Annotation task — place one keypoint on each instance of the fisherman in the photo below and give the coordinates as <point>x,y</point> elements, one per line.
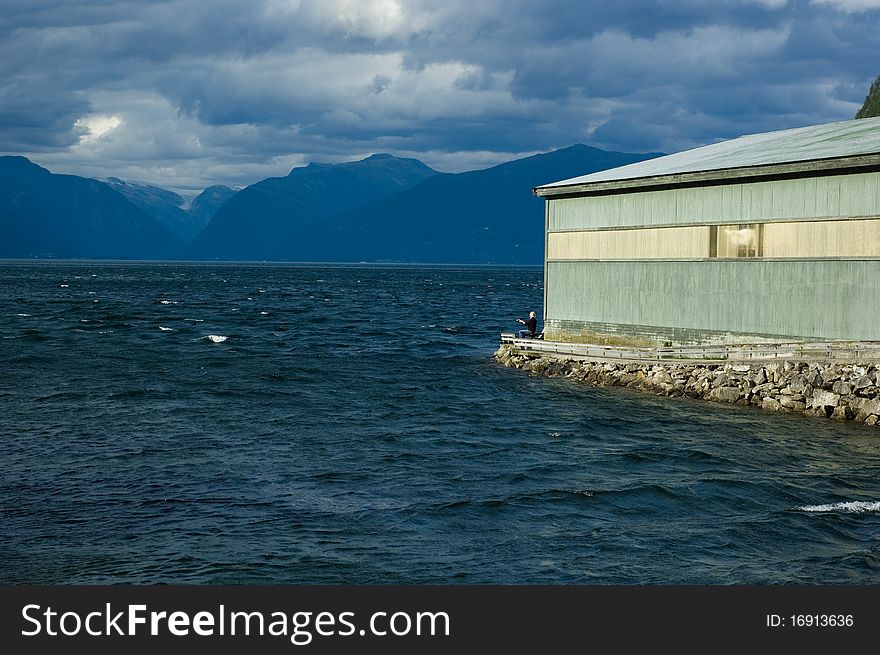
<point>531,326</point>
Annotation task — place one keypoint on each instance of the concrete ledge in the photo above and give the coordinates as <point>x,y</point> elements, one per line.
<point>844,351</point>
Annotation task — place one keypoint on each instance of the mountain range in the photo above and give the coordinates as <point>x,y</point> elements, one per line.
<point>170,209</point>
<point>382,208</point>
<point>486,216</point>
<point>250,225</point>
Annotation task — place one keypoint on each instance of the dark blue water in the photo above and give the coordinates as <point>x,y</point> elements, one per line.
<point>347,424</point>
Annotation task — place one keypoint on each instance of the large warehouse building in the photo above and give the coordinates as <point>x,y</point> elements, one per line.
<point>765,237</point>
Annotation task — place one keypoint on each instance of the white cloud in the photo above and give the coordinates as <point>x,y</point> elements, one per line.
<point>96,126</point>
<point>373,19</point>
<point>222,91</point>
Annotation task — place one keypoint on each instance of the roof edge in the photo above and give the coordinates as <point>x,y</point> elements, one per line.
<point>698,178</point>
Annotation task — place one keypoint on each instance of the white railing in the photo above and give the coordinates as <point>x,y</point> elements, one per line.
<point>855,351</point>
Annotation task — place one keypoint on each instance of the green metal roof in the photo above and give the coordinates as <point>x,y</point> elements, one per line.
<point>753,154</point>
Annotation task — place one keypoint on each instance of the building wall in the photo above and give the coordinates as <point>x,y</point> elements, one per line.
<point>642,302</point>
<point>834,196</point>
<point>636,267</point>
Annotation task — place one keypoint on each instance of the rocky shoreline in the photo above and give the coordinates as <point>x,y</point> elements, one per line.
<point>846,392</point>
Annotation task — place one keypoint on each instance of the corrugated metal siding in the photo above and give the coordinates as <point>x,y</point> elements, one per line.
<point>807,198</point>
<point>831,299</point>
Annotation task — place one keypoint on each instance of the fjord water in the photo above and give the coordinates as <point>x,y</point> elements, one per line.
<point>346,424</point>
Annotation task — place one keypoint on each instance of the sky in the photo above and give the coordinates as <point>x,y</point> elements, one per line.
<point>188,93</point>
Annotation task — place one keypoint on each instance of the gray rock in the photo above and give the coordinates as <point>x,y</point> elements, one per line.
<point>824,399</point>
<point>842,388</point>
<point>863,382</point>
<point>719,381</point>
<point>871,420</point>
<point>830,375</point>
<point>770,403</point>
<point>725,394</point>
<point>867,405</point>
<point>797,383</point>
<point>793,405</point>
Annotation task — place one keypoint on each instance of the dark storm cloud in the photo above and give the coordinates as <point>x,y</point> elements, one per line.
<point>226,91</point>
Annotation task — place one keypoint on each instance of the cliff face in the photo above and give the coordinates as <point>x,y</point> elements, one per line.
<point>843,392</point>
<point>871,107</point>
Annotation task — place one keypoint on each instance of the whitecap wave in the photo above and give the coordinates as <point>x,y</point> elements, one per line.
<point>166,329</point>
<point>168,302</point>
<point>22,315</point>
<point>850,507</point>
<point>216,338</point>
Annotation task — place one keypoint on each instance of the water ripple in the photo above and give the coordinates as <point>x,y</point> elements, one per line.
<point>347,425</point>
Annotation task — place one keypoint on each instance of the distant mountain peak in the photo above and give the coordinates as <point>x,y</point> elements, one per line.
<point>20,162</point>
<point>312,167</point>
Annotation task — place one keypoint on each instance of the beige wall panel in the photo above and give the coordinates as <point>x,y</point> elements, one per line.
<point>663,243</point>
<point>823,239</point>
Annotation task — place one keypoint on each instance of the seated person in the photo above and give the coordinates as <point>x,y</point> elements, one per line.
<point>531,326</point>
